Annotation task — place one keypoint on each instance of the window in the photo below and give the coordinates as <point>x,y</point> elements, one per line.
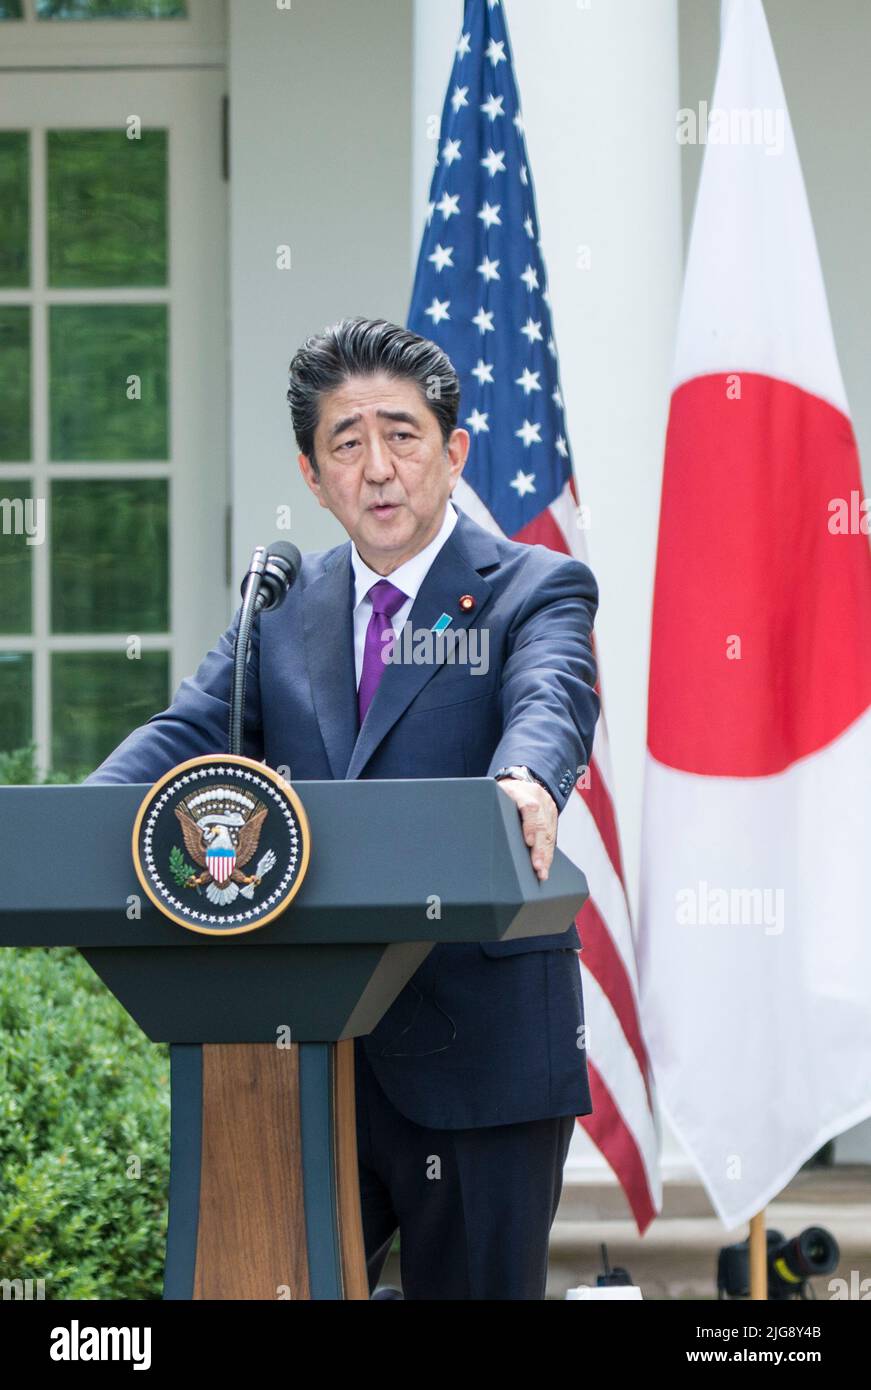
<point>112,469</point>
<point>111,32</point>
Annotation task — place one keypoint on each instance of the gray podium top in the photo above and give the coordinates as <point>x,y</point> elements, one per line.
<point>381,853</point>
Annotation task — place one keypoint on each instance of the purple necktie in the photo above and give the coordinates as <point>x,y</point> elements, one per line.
<point>386,600</point>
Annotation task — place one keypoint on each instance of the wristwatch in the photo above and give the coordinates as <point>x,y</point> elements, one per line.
<point>522,774</point>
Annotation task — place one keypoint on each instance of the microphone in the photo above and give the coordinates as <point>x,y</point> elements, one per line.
<point>277,570</point>
<point>270,576</point>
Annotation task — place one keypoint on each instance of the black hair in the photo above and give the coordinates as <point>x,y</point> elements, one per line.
<point>365,347</point>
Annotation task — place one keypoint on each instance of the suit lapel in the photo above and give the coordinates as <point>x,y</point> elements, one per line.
<point>454,572</point>
<point>329,638</point>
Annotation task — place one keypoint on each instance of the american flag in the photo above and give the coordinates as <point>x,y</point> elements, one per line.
<point>480,292</point>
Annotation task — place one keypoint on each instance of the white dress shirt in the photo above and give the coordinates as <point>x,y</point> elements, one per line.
<point>408,577</point>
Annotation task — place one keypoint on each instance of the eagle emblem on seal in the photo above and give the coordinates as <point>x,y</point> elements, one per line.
<point>221,829</point>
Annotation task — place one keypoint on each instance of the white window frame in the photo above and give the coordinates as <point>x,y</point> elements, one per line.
<point>198,39</point>
<point>189,105</point>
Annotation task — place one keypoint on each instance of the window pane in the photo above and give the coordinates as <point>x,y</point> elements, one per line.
<point>95,350</point>
<point>16,696</point>
<point>15,556</point>
<point>111,9</point>
<point>14,383</point>
<point>10,9</point>
<point>106,208</point>
<point>97,699</point>
<point>109,557</point>
<point>15,202</point>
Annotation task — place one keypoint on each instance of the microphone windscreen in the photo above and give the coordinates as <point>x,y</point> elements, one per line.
<point>288,554</point>
<point>282,566</point>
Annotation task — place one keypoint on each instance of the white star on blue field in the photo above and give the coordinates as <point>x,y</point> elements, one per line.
<point>480,290</point>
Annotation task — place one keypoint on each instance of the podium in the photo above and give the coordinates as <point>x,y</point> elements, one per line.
<point>264,1200</point>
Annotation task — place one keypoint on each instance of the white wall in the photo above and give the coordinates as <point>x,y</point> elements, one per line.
<point>320,161</point>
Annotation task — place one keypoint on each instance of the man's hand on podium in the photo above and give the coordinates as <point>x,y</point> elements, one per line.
<point>538,814</point>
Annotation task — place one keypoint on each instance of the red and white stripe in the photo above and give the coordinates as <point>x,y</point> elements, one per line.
<point>220,865</point>
<point>622,1124</point>
<point>759,737</point>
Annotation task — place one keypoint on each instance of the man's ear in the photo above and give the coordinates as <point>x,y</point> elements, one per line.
<point>312,479</point>
<point>457,450</point>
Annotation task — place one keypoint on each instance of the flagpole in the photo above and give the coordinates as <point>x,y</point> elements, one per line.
<point>758,1258</point>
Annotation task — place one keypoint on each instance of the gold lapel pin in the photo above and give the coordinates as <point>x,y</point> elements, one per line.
<point>467,602</point>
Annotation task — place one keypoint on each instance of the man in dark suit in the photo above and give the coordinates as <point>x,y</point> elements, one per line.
<point>468,1088</point>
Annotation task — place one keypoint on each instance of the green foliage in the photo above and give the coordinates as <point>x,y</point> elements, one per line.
<point>84,1108</point>
<point>19,769</point>
<point>180,869</point>
<point>84,1105</point>
<point>110,9</point>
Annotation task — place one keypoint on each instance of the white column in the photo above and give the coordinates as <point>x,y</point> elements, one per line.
<point>598,83</point>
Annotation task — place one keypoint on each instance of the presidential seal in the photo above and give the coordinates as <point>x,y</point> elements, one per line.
<point>221,844</point>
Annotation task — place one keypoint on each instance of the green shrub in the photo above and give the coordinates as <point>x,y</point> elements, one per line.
<point>19,769</point>
<point>84,1108</point>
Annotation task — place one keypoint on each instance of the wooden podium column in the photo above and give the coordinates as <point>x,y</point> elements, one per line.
<point>264,1196</point>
